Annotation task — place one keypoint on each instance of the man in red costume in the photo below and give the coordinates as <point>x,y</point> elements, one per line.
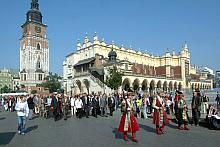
<point>128,122</point>
<point>160,118</point>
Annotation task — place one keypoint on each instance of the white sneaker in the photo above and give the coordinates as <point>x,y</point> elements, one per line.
<point>19,132</point>
<point>22,133</point>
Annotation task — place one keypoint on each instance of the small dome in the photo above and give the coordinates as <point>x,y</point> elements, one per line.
<point>112,53</point>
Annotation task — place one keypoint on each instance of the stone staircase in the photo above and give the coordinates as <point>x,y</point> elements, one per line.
<point>101,84</point>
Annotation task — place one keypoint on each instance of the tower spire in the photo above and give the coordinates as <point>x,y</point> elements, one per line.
<point>34,4</point>
<point>34,14</point>
<point>185,45</point>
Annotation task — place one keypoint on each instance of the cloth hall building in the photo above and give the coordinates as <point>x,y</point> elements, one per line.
<point>86,69</point>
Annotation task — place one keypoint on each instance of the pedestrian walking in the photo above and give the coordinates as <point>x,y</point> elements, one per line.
<point>72,103</point>
<point>30,102</point>
<point>95,105</point>
<point>79,105</point>
<point>146,102</point>
<point>182,113</point>
<point>111,104</point>
<point>128,123</point>
<point>217,99</point>
<point>160,118</point>
<point>22,113</point>
<point>87,105</point>
<point>205,101</point>
<point>196,107</point>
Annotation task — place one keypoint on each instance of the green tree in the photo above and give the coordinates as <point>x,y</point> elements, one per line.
<point>5,89</point>
<point>114,80</point>
<point>52,82</point>
<point>33,91</point>
<point>22,86</point>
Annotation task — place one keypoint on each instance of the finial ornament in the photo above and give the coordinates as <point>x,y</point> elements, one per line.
<point>34,4</point>
<point>185,45</point>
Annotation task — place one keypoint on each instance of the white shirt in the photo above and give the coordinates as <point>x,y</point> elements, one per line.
<point>78,103</point>
<point>24,106</point>
<point>72,101</point>
<point>49,101</point>
<point>130,105</point>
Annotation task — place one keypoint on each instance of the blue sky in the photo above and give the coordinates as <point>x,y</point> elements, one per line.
<point>151,25</point>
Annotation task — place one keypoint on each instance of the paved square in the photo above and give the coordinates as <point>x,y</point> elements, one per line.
<point>98,132</point>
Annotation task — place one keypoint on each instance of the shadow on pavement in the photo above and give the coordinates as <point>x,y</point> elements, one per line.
<point>5,138</point>
<point>204,123</point>
<point>35,117</point>
<point>118,135</point>
<point>147,128</point>
<point>172,126</point>
<point>32,128</point>
<point>2,118</point>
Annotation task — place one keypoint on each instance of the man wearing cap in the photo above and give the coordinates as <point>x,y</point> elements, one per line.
<point>128,122</point>
<point>160,118</point>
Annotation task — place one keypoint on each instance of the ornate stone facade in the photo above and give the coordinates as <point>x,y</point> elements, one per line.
<point>142,71</point>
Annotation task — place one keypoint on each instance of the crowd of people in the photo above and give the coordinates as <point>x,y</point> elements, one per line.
<point>160,105</point>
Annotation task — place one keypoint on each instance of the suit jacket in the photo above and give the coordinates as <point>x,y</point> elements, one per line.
<point>87,101</point>
<point>95,103</point>
<point>30,102</point>
<point>196,102</point>
<point>54,102</point>
<point>110,102</point>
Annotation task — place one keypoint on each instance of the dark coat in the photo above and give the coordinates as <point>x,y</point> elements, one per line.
<point>54,102</point>
<point>88,101</point>
<point>110,102</point>
<point>30,102</point>
<point>95,103</point>
<point>196,103</point>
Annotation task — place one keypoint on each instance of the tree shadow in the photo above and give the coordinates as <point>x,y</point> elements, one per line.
<point>118,135</point>
<point>147,128</point>
<point>2,118</point>
<point>6,137</point>
<point>32,128</point>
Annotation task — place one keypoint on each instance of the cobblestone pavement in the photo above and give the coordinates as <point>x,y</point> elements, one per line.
<point>98,132</point>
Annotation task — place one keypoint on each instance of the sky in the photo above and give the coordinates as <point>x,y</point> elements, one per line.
<point>148,25</point>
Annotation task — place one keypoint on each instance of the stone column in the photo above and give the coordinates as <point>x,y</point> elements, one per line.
<point>148,89</point>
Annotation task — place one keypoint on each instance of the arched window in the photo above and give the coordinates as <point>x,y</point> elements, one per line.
<point>38,46</point>
<point>38,65</point>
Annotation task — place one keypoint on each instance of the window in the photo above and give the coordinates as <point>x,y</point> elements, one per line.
<point>38,46</point>
<point>40,78</point>
<point>38,65</point>
<point>126,66</point>
<point>25,77</point>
